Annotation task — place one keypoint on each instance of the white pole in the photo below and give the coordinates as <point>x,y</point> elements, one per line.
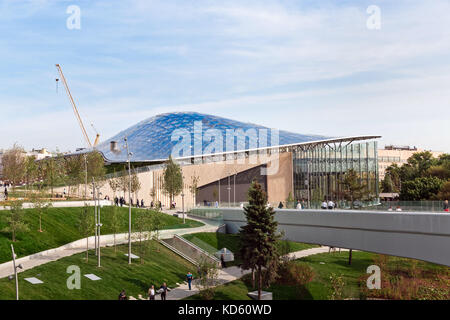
<point>15,272</point>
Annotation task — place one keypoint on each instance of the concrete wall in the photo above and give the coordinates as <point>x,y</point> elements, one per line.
<point>418,235</point>
<point>278,185</point>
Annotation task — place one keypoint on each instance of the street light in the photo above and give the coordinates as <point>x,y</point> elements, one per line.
<point>115,149</point>
<point>15,271</point>
<point>98,225</point>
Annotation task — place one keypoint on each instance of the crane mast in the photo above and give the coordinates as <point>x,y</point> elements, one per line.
<point>74,107</point>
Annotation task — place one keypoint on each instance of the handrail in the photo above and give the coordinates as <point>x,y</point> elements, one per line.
<point>197,247</point>
<point>179,252</point>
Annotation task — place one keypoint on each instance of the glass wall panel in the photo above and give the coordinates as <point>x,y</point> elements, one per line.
<point>320,171</point>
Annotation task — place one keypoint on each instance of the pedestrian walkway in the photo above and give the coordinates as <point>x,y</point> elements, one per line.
<point>79,246</point>
<point>233,273</point>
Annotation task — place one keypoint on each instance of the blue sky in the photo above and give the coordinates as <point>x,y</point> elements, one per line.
<point>303,66</point>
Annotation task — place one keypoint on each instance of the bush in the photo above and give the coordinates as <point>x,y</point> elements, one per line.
<point>295,273</point>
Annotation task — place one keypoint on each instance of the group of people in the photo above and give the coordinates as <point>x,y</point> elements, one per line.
<point>121,201</point>
<point>330,205</point>
<point>151,292</point>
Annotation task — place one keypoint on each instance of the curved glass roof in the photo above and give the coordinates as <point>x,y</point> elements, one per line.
<point>155,138</point>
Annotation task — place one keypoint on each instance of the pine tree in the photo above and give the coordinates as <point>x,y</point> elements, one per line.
<point>259,237</point>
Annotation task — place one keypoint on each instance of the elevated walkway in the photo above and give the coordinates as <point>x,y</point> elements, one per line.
<point>418,235</point>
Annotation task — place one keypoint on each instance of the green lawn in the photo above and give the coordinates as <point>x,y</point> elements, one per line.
<point>60,227</point>
<point>212,241</point>
<point>325,264</point>
<point>116,274</point>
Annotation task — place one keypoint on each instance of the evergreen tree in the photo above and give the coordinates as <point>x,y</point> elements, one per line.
<point>259,237</point>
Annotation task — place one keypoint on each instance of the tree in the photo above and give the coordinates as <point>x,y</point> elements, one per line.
<point>86,226</point>
<point>114,183</point>
<point>115,223</point>
<point>41,205</point>
<point>95,166</point>
<point>420,162</point>
<point>444,194</point>
<point>156,226</point>
<point>74,170</point>
<point>54,171</point>
<point>422,188</point>
<point>13,162</point>
<point>290,201</point>
<point>208,276</point>
<point>31,169</point>
<point>14,220</point>
<point>353,189</point>
<point>135,184</point>
<point>193,187</point>
<point>259,236</point>
<point>142,225</point>
<point>173,179</point>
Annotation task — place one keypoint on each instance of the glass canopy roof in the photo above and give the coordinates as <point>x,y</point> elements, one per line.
<point>155,138</point>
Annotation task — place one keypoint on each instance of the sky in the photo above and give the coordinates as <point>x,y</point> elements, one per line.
<point>312,67</point>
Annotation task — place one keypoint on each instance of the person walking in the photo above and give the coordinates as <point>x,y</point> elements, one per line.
<point>299,205</point>
<point>163,290</point>
<point>142,203</point>
<point>280,205</point>
<point>324,204</point>
<point>446,205</point>
<point>189,278</point>
<point>137,203</point>
<point>122,295</point>
<point>6,193</point>
<point>151,293</point>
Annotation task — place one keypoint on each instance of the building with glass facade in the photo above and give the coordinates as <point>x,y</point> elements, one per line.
<point>226,155</point>
<point>320,170</point>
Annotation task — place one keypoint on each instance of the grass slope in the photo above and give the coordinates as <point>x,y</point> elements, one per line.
<point>116,274</point>
<point>60,227</point>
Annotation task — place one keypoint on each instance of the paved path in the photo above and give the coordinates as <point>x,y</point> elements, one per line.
<point>79,246</point>
<point>230,274</point>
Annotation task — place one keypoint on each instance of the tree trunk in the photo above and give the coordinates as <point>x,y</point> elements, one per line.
<point>13,236</point>
<point>40,223</point>
<point>87,249</point>
<point>115,249</point>
<point>259,282</point>
<point>253,278</point>
<point>350,257</point>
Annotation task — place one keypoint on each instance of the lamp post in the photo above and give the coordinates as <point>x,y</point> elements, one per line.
<point>85,176</point>
<point>98,226</point>
<point>115,149</point>
<point>182,206</point>
<point>229,192</point>
<point>95,216</point>
<point>15,271</point>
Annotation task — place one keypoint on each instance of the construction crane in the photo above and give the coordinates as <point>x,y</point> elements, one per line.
<point>75,110</point>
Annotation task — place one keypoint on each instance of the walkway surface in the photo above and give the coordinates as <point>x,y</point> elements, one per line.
<point>230,274</point>
<point>79,246</point>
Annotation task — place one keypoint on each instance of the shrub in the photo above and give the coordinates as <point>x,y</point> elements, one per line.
<point>337,287</point>
<point>295,273</point>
